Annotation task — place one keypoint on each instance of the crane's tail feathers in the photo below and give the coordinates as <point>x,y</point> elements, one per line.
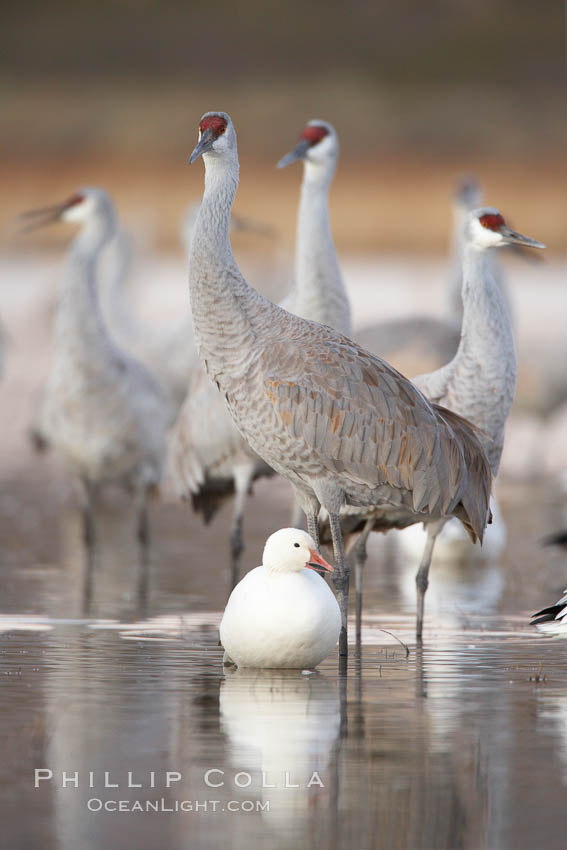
<point>210,497</point>
<point>475,498</point>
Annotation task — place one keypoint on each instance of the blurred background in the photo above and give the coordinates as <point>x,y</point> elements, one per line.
<point>110,92</point>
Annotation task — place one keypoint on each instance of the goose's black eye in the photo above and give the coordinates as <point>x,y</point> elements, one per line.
<point>296,545</point>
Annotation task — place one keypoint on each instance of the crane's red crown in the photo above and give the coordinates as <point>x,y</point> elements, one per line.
<point>215,123</point>
<point>313,133</point>
<point>75,199</point>
<point>492,221</point>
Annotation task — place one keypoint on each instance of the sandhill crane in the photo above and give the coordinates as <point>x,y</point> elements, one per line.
<point>481,378</point>
<point>282,614</point>
<point>339,423</point>
<point>210,459</point>
<point>112,268</point>
<point>479,382</point>
<point>467,196</point>
<point>102,409</point>
<point>431,343</point>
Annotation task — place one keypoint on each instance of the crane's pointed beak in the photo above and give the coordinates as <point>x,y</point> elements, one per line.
<point>204,144</point>
<point>524,253</point>
<point>317,562</point>
<point>34,219</point>
<point>514,238</point>
<point>299,152</point>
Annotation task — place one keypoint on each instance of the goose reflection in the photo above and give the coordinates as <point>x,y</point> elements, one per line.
<point>283,729</point>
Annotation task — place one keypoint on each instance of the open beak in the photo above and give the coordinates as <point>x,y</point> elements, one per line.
<point>317,562</point>
<point>514,238</point>
<point>204,144</point>
<point>299,152</point>
<point>34,219</point>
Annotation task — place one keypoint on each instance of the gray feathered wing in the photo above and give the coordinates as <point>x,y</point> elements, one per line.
<point>205,446</point>
<point>373,430</point>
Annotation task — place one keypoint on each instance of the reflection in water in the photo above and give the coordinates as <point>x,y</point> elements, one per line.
<point>552,716</point>
<point>456,590</point>
<point>438,751</point>
<point>101,721</point>
<point>408,791</point>
<point>463,745</point>
<point>282,727</point>
<point>115,570</point>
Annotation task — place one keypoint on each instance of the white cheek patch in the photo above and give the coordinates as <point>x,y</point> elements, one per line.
<point>74,213</point>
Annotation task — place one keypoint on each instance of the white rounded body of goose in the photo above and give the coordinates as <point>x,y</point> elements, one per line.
<point>282,614</point>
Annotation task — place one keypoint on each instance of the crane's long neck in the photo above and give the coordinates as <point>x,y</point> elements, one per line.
<point>79,327</point>
<point>486,357</point>
<point>485,313</point>
<point>224,306</point>
<point>319,293</point>
<point>112,273</point>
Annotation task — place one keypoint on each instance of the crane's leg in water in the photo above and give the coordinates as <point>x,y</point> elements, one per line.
<point>360,557</point>
<point>88,516</point>
<point>88,511</point>
<point>236,541</point>
<point>242,480</point>
<point>341,582</point>
<point>143,532</point>
<point>422,577</point>
<point>143,522</point>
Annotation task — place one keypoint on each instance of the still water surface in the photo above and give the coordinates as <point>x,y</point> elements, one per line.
<point>463,745</point>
